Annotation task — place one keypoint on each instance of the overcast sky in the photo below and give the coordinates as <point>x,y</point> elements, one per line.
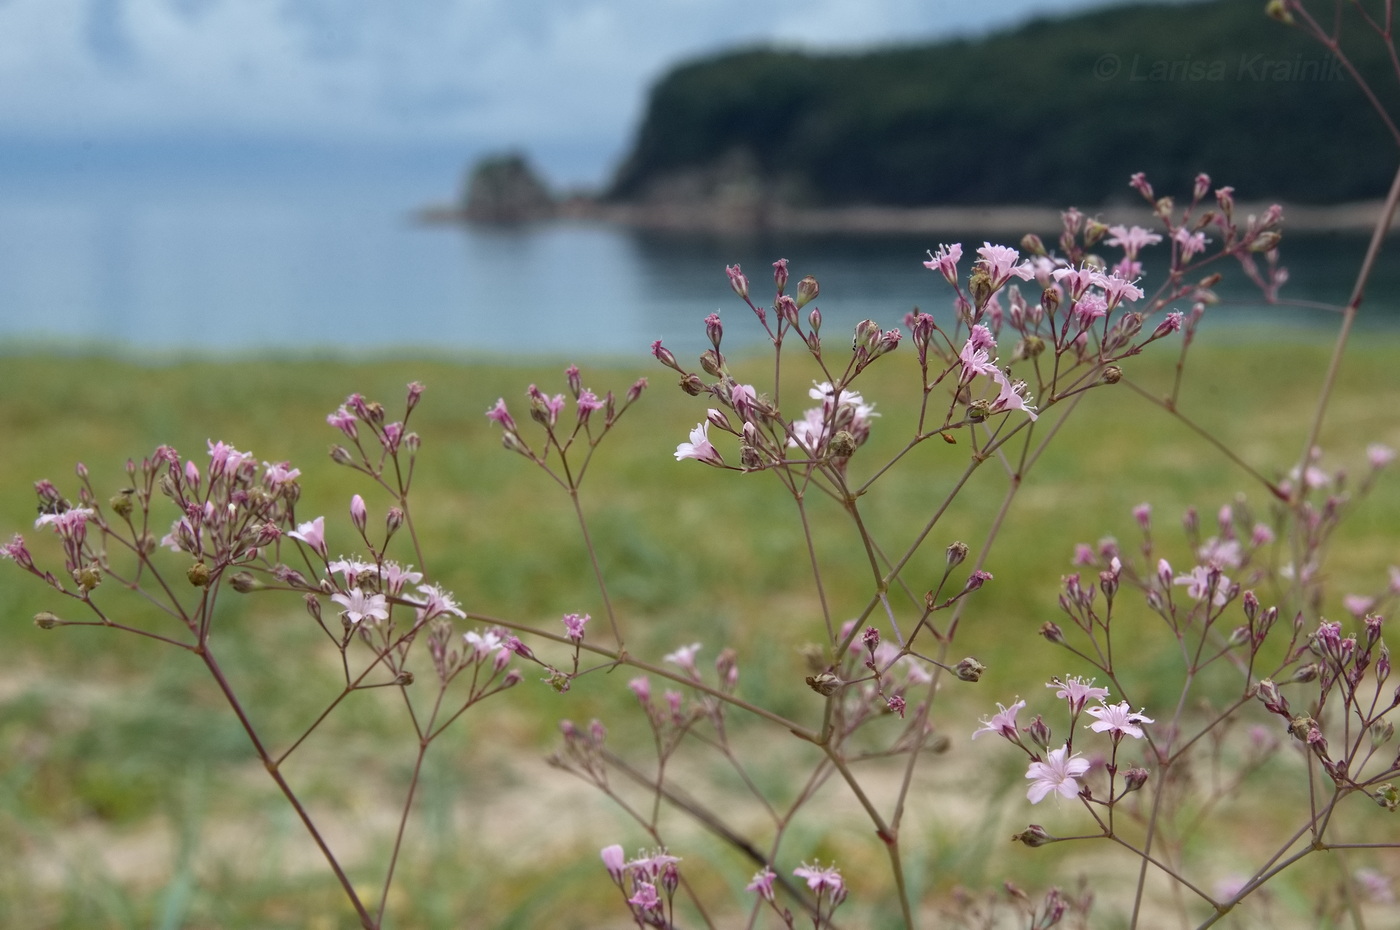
<point>564,79</point>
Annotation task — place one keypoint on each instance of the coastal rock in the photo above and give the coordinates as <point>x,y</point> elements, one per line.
<point>506,189</point>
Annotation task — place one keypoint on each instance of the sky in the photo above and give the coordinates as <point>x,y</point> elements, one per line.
<point>120,81</point>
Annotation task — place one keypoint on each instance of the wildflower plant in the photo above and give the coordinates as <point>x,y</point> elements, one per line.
<point>1273,688</point>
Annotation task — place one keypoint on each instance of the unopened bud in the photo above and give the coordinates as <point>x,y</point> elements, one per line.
<point>244,582</point>
<point>956,553</point>
<point>1052,633</point>
<point>1033,836</point>
<point>1112,374</point>
<point>692,385</point>
<point>1094,230</point>
<point>738,281</point>
<point>1382,731</point>
<point>969,669</point>
<point>1239,636</point>
<point>46,621</point>
<point>1050,300</point>
<point>1030,347</point>
<point>1032,244</point>
<point>1387,796</point>
<point>1134,779</point>
<point>1304,673</point>
<point>121,504</point>
<point>1039,732</point>
<point>340,455</point>
<point>807,291</point>
<point>826,684</point>
<point>843,444</point>
<point>979,285</point>
<point>88,577</point>
<point>1265,242</point>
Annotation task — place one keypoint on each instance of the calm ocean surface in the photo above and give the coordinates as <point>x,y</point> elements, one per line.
<point>226,269</point>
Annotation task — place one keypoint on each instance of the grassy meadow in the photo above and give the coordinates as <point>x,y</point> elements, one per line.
<point>128,795</point>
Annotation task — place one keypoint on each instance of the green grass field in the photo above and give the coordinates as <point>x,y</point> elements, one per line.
<point>128,796</point>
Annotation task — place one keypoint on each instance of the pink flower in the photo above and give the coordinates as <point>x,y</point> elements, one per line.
<point>1003,722</point>
<point>1190,243</point>
<point>945,261</point>
<point>1012,395</point>
<point>685,658</point>
<point>613,860</point>
<point>1199,584</point>
<point>1000,263</point>
<point>823,879</point>
<point>646,897</point>
<point>1057,773</point>
<point>313,534</point>
<point>1117,720</point>
<point>501,415</point>
<point>1076,691</point>
<point>279,473</point>
<point>344,421</point>
<point>1379,456</point>
<point>699,447</point>
<point>360,606</point>
<point>762,884</point>
<point>1131,240</point>
<point>573,625</point>
<point>436,603</point>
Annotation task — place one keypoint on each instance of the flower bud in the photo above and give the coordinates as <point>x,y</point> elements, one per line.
<point>87,577</point>
<point>712,362</point>
<point>1265,242</point>
<point>969,669</point>
<point>244,582</point>
<point>1134,779</point>
<point>1050,300</point>
<point>1039,732</point>
<point>826,684</point>
<point>714,329</point>
<point>1094,230</point>
<point>738,281</point>
<point>780,274</point>
<point>843,444</point>
<point>46,621</point>
<point>807,291</point>
<point>1033,836</point>
<point>341,455</point>
<point>1032,244</point>
<point>1052,633</point>
<point>1112,374</point>
<point>956,553</point>
<point>664,356</point>
<point>1387,796</point>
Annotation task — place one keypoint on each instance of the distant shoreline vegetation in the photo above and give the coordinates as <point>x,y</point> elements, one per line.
<point>1055,112</point>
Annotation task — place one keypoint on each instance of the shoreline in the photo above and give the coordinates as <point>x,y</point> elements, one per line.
<point>734,219</point>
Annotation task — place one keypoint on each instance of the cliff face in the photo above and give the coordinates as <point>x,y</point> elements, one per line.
<point>1055,112</point>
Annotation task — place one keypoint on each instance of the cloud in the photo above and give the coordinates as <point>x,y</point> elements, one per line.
<point>549,73</point>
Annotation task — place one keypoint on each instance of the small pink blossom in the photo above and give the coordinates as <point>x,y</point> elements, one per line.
<point>613,860</point>
<point>699,447</point>
<point>436,603</point>
<point>1003,723</point>
<point>360,606</point>
<point>1057,773</point>
<point>685,658</point>
<point>1379,456</point>
<point>1131,240</point>
<point>762,884</point>
<point>574,624</point>
<point>1199,584</point>
<point>313,533</point>
<point>823,880</point>
<point>1076,691</point>
<point>1000,263</point>
<point>501,415</point>
<point>1118,720</point>
<point>945,261</point>
<point>1189,242</point>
